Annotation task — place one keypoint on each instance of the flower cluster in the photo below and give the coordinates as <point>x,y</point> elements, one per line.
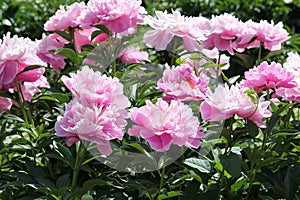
<point>225,32</point>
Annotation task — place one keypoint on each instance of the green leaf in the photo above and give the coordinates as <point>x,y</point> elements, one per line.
<point>91,183</point>
<point>170,194</point>
<point>104,29</point>
<point>200,164</point>
<point>69,53</point>
<point>232,163</point>
<point>60,97</point>
<point>30,67</point>
<point>64,35</point>
<point>252,128</point>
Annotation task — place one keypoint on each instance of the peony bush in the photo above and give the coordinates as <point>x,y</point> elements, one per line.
<point>90,111</point>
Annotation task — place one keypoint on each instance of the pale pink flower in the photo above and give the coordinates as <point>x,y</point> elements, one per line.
<point>272,36</point>
<point>292,65</point>
<point>225,102</point>
<point>29,89</point>
<point>163,124</point>
<point>65,17</point>
<point>98,111</point>
<point>5,104</point>
<point>224,30</point>
<point>133,54</point>
<point>166,26</point>
<point>268,76</point>
<point>52,42</point>
<point>96,124</point>
<point>183,84</point>
<point>96,88</point>
<point>17,53</point>
<point>117,15</point>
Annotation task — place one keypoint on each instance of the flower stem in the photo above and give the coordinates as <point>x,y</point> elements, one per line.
<point>21,100</point>
<point>259,53</point>
<point>80,152</point>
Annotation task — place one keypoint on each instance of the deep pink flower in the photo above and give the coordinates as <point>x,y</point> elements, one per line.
<point>268,76</point>
<point>183,84</point>
<point>225,102</point>
<point>166,26</point>
<point>163,124</point>
<point>117,15</point>
<point>52,42</point>
<point>133,54</point>
<point>5,104</point>
<point>15,55</point>
<point>292,65</point>
<point>65,17</point>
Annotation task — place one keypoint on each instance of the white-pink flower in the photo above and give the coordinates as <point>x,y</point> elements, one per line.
<point>268,76</point>
<point>292,65</point>
<point>227,101</point>
<point>166,26</point>
<point>182,83</point>
<point>65,17</point>
<point>117,15</point>
<point>163,124</point>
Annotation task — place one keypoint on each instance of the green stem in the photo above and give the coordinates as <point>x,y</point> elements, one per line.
<point>80,152</point>
<point>21,100</point>
<point>259,53</point>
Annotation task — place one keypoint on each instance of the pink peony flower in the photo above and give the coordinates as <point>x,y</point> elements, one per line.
<point>97,124</point>
<point>166,26</point>
<point>163,124</point>
<point>15,55</point>
<point>133,54</point>
<point>98,111</point>
<point>65,17</point>
<point>267,76</point>
<point>117,15</point>
<point>5,104</point>
<point>94,88</point>
<point>271,35</point>
<point>52,42</point>
<point>83,37</point>
<point>29,89</point>
<point>292,65</point>
<point>225,102</point>
<point>224,30</point>
<point>183,84</point>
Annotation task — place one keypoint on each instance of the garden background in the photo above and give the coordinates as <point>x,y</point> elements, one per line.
<point>39,165</point>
